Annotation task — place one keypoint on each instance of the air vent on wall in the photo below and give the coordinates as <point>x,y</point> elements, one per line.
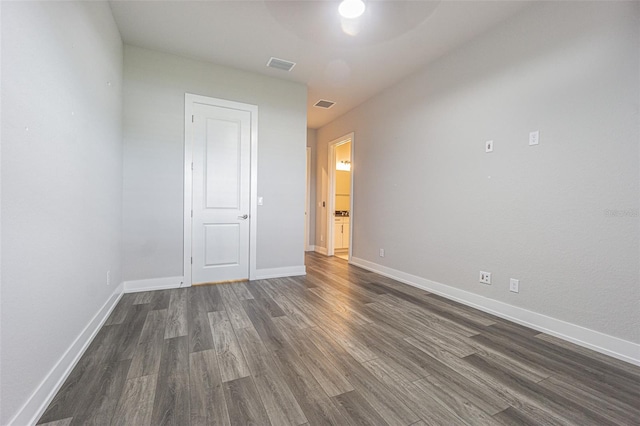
<point>280,64</point>
<point>324,104</point>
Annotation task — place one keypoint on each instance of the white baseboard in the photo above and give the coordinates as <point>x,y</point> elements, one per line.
<point>288,271</point>
<point>310,248</point>
<point>321,250</point>
<point>591,339</point>
<point>40,399</point>
<point>153,284</point>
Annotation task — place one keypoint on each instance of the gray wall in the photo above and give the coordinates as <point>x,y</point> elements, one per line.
<point>443,209</point>
<point>61,182</point>
<point>154,88</point>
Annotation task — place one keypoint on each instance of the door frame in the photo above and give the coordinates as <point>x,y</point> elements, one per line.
<point>331,169</point>
<point>307,219</point>
<point>189,101</point>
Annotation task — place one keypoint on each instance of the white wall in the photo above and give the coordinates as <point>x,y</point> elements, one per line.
<point>443,209</point>
<point>61,183</point>
<point>154,88</point>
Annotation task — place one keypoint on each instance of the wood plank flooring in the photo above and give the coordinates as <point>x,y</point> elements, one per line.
<point>340,346</point>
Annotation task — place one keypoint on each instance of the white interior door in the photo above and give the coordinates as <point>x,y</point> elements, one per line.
<point>221,193</point>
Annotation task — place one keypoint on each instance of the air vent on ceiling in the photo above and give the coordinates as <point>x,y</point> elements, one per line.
<point>281,64</point>
<point>324,104</point>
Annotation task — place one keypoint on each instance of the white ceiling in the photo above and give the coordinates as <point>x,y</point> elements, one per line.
<point>395,38</point>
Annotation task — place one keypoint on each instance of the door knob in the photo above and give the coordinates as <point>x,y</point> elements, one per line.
<point>243,217</point>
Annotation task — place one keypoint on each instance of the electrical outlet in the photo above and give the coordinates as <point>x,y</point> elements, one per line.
<point>485,277</point>
<point>381,252</point>
<point>488,146</point>
<point>514,285</point>
<point>108,277</point>
<point>534,138</point>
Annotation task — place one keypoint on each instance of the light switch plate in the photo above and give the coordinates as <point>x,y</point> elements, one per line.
<point>488,146</point>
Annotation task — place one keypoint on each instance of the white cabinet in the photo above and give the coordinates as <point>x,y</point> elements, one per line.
<point>345,233</point>
<point>337,232</point>
<point>341,232</point>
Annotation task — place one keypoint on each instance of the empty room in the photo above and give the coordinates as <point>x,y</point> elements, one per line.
<point>345,212</point>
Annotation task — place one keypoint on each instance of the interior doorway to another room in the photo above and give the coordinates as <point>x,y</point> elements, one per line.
<point>340,217</point>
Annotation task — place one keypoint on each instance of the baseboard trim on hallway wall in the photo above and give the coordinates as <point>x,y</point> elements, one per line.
<point>591,339</point>
<point>153,284</point>
<point>287,271</point>
<point>311,248</point>
<point>321,250</point>
<point>42,396</point>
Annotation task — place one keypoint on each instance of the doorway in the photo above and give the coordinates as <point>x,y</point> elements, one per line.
<point>220,187</point>
<point>340,197</point>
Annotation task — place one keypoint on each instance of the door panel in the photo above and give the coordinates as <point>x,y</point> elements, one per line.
<point>223,177</point>
<point>221,193</point>
<point>221,243</point>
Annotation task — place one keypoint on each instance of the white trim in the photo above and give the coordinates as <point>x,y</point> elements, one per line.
<point>331,194</point>
<point>287,271</point>
<point>253,190</point>
<point>311,248</point>
<point>321,250</point>
<point>591,339</point>
<point>153,284</point>
<point>42,396</point>
<point>352,196</point>
<point>188,188</point>
<point>307,216</point>
<point>189,100</point>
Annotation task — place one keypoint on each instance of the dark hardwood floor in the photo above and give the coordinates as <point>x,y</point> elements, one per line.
<point>339,346</point>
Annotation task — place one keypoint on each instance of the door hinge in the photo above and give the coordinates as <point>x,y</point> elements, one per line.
<point>192,260</point>
<point>191,213</point>
<point>193,118</point>
<point>192,166</point>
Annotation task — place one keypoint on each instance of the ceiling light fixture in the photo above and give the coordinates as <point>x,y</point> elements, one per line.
<point>351,9</point>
